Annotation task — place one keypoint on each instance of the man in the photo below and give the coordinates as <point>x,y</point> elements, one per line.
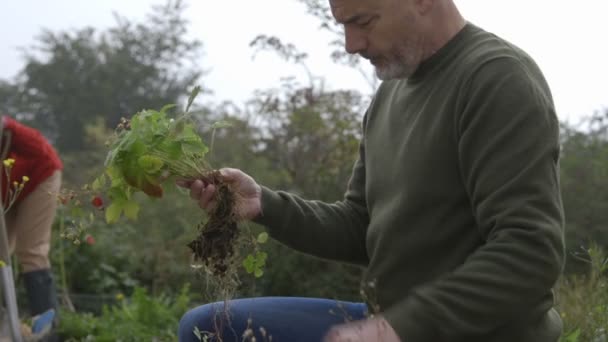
<point>34,168</point>
<point>454,203</point>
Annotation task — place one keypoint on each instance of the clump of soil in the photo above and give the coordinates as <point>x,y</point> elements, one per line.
<point>214,245</point>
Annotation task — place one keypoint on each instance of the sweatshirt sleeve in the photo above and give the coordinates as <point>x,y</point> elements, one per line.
<point>508,152</point>
<point>334,231</point>
<point>25,141</point>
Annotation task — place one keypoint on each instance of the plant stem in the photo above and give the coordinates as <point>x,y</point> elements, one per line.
<point>212,143</point>
<point>64,282</point>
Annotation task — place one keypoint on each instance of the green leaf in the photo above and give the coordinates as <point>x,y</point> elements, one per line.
<point>117,193</point>
<point>221,124</point>
<point>113,212</point>
<point>188,134</point>
<point>193,95</point>
<point>263,237</point>
<point>260,260</point>
<point>76,212</point>
<point>115,176</point>
<point>194,148</point>
<point>135,149</point>
<point>99,182</point>
<point>172,148</point>
<point>179,127</point>
<point>167,107</point>
<point>258,273</point>
<point>249,263</point>
<point>150,164</point>
<point>573,336</point>
<point>131,209</point>
<point>262,257</point>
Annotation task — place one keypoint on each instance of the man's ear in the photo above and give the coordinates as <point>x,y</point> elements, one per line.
<point>424,6</point>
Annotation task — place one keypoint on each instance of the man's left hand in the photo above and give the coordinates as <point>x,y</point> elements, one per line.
<point>369,330</point>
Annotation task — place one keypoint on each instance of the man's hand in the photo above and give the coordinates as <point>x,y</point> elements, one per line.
<point>248,194</point>
<point>369,330</point>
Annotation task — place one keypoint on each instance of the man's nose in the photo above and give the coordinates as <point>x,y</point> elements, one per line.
<point>355,41</point>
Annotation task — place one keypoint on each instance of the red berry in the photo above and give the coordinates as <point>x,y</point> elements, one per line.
<point>97,202</point>
<point>90,240</point>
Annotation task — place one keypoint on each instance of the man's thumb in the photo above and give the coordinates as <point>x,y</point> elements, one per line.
<point>229,174</point>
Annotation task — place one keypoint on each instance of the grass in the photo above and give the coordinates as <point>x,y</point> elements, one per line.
<point>583,300</point>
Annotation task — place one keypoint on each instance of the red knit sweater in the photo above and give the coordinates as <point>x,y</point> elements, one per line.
<point>33,154</point>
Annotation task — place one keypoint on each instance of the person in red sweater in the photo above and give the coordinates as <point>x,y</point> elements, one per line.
<point>35,172</point>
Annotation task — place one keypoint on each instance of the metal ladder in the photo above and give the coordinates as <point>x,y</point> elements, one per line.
<point>7,283</point>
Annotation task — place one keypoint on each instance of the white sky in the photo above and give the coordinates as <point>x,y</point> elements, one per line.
<point>568,39</point>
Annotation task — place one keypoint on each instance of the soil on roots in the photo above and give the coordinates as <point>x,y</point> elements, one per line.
<point>214,247</point>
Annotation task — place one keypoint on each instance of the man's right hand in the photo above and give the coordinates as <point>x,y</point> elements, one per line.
<point>248,193</point>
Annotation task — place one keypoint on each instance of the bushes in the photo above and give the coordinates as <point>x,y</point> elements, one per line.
<point>140,318</point>
<point>583,300</point>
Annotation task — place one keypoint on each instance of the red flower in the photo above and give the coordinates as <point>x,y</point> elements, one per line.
<point>97,202</point>
<point>90,240</point>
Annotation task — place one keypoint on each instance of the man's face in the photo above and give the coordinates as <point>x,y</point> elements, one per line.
<point>385,32</point>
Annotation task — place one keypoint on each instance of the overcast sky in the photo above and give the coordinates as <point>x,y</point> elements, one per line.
<point>568,39</point>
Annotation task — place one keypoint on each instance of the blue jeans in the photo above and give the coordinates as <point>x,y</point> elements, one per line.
<point>286,319</point>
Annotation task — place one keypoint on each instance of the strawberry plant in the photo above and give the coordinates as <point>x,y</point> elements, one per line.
<point>149,152</point>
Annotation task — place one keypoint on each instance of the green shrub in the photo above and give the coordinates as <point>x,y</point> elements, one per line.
<point>140,318</point>
<point>583,300</point>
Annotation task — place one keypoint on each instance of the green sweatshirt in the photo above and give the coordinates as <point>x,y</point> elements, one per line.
<point>454,204</point>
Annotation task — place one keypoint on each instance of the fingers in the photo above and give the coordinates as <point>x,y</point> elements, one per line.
<point>202,193</point>
<point>230,174</point>
<point>370,330</point>
<point>184,183</point>
<point>196,187</point>
<point>206,201</point>
<point>342,334</point>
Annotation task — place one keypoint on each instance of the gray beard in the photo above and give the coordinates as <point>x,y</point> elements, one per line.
<point>394,71</point>
<point>402,67</point>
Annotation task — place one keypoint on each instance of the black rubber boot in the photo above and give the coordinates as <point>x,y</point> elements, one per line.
<point>40,290</point>
<point>41,295</point>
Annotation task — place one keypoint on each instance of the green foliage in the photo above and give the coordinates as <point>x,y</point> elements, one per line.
<point>111,272</point>
<point>319,9</point>
<point>9,93</point>
<point>262,238</point>
<point>255,263</point>
<point>142,318</point>
<point>312,136</point>
<point>107,74</point>
<point>290,273</point>
<point>311,143</point>
<point>572,336</point>
<point>146,151</point>
<point>583,300</point>
<point>584,182</point>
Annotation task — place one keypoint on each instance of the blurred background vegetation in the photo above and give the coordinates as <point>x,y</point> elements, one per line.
<point>76,85</point>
